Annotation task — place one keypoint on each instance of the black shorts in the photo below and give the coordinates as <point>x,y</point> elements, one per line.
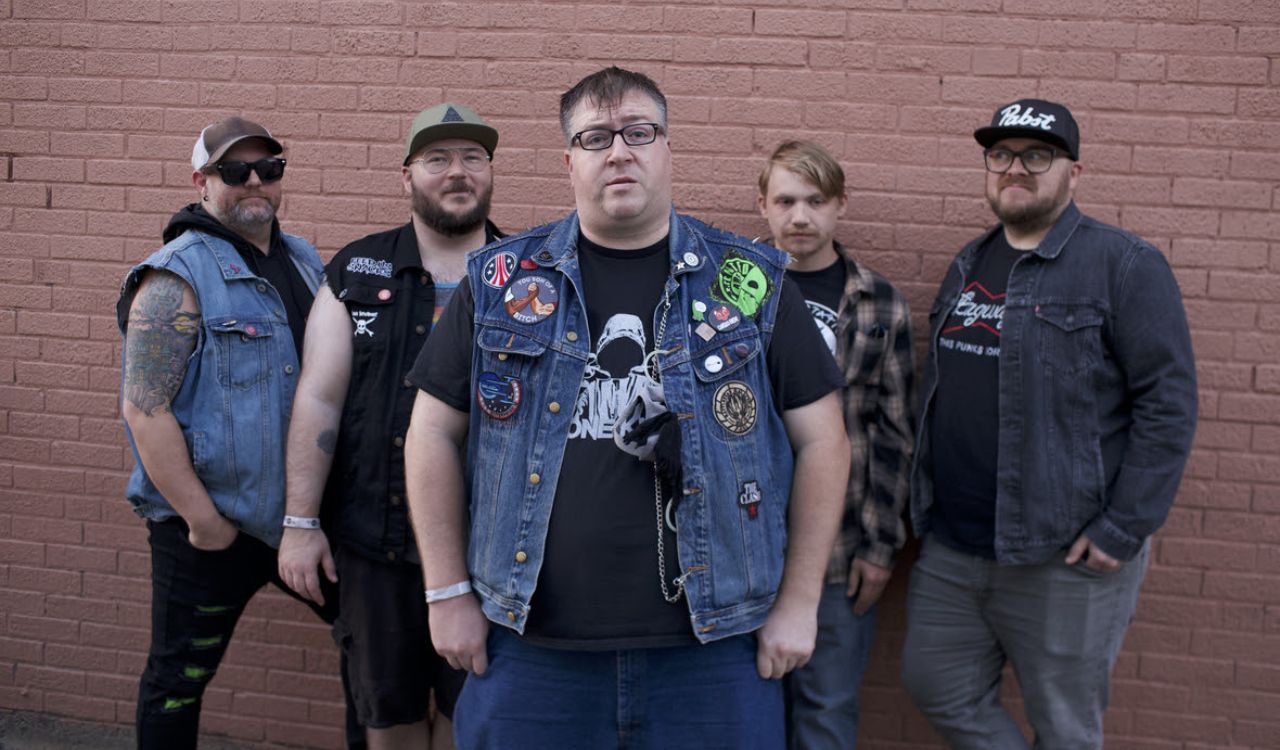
<point>382,630</point>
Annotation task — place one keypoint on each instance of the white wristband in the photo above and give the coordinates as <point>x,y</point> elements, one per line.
<point>448,592</point>
<point>301,522</point>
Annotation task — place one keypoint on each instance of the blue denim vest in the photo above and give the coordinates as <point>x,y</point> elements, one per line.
<point>235,399</point>
<point>731,560</point>
<point>1097,393</point>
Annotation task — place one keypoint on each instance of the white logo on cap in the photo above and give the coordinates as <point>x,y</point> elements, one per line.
<point>1013,116</point>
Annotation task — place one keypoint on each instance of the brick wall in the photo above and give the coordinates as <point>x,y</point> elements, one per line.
<point>1179,103</point>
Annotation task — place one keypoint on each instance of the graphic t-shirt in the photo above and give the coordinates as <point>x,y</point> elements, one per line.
<point>822,291</point>
<point>966,410</point>
<point>598,585</point>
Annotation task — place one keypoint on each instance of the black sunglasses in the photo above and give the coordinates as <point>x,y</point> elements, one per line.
<point>234,173</point>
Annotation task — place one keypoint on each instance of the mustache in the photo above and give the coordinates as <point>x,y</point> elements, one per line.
<point>1007,181</point>
<point>457,186</point>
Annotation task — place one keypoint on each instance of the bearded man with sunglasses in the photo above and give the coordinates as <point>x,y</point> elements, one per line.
<point>213,325</point>
<point>1059,405</point>
<point>382,296</point>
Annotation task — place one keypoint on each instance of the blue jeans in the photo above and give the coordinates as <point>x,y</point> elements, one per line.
<point>1060,627</point>
<point>822,696</point>
<point>703,696</point>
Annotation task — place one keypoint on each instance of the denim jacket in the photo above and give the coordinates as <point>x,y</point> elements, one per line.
<point>234,402</point>
<point>1097,393</point>
<point>731,561</point>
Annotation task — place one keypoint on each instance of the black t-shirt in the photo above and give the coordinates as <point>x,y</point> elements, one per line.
<point>598,587</point>
<point>966,410</point>
<point>822,291</point>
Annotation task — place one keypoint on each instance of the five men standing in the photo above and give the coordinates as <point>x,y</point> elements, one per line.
<point>382,296</point>
<point>1059,404</point>
<point>627,451</point>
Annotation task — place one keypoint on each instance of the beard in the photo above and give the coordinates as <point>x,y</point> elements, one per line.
<point>249,220</point>
<point>1035,215</point>
<point>446,222</point>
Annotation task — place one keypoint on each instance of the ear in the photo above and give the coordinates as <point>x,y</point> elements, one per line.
<point>568,162</point>
<point>760,206</point>
<point>406,180</point>
<point>1073,176</point>
<point>844,205</point>
<point>199,179</point>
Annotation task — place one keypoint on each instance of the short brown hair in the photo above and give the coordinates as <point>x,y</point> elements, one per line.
<point>810,161</point>
<point>606,88</point>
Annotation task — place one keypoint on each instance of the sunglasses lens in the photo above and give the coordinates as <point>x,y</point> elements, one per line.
<point>234,172</point>
<point>269,170</point>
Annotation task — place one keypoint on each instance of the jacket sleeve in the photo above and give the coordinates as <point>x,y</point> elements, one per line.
<point>890,440</point>
<point>1152,346</point>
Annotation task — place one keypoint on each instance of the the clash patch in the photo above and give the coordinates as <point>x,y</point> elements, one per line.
<point>498,395</point>
<point>741,283</point>
<point>749,498</point>
<point>531,299</point>
<point>498,269</point>
<point>734,406</point>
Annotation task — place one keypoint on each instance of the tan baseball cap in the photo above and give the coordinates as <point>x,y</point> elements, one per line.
<point>216,139</point>
<point>449,120</point>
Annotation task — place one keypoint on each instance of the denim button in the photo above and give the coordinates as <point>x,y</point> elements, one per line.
<point>571,336</point>
<point>288,369</point>
<point>262,288</point>
<point>534,478</point>
<point>502,356</point>
<point>398,441</point>
<point>554,407</point>
<point>521,556</point>
<point>420,329</point>
<point>511,615</point>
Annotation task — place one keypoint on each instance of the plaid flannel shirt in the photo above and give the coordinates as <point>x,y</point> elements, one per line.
<point>875,352</point>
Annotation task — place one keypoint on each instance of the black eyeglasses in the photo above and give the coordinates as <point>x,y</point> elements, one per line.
<point>1036,160</point>
<point>635,134</point>
<point>235,173</point>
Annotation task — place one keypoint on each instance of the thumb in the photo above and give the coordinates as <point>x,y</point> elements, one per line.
<point>855,578</point>
<point>1077,550</point>
<point>326,562</point>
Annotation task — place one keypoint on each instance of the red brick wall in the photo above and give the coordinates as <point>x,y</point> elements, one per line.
<point>100,100</point>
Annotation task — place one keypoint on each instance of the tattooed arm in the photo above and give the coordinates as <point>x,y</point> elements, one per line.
<point>313,435</point>
<point>164,326</point>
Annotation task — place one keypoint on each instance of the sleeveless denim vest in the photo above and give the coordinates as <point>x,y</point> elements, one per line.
<point>737,458</point>
<point>234,402</point>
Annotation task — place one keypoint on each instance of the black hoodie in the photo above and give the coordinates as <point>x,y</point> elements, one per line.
<point>275,267</point>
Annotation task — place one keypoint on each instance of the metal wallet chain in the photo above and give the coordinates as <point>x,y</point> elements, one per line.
<point>657,481</point>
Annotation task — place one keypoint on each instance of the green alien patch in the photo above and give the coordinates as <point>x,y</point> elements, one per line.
<point>741,283</point>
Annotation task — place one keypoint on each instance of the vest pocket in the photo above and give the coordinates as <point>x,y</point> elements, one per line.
<point>244,351</point>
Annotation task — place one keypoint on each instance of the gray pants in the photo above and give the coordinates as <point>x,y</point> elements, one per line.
<point>1060,626</point>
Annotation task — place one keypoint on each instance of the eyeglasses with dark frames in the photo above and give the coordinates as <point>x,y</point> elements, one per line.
<point>236,173</point>
<point>437,160</point>
<point>635,134</point>
<point>1036,159</point>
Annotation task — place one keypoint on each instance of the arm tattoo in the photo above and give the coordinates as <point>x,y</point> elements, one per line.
<point>160,338</point>
<point>327,441</point>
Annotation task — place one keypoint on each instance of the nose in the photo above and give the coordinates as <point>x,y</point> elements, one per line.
<point>619,150</point>
<point>455,167</point>
<point>800,215</point>
<point>253,180</point>
<point>1017,164</point>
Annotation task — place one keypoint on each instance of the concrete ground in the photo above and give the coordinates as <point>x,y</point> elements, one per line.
<point>27,730</point>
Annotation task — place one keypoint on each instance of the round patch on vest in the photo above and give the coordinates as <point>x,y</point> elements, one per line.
<point>531,299</point>
<point>498,269</point>
<point>723,317</point>
<point>498,395</point>
<point>742,283</point>
<point>734,406</point>
<point>384,294</point>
